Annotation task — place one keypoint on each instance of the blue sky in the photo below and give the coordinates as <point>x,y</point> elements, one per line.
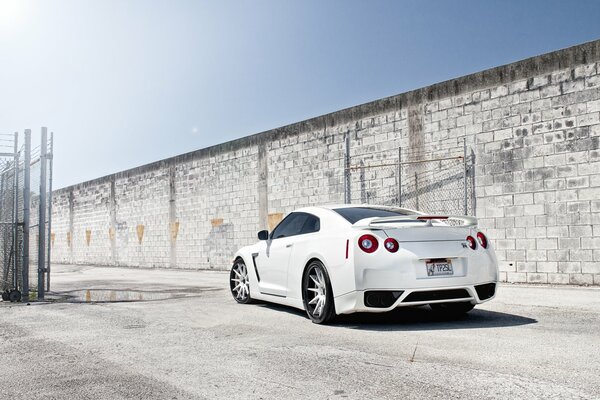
<point>127,82</point>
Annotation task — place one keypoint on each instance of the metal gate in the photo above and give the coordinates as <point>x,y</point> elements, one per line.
<point>441,181</point>
<point>25,216</point>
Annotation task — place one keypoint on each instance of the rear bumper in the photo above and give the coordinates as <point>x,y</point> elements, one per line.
<point>401,297</point>
<point>407,271</point>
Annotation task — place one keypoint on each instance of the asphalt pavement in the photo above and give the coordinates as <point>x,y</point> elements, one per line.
<point>117,333</point>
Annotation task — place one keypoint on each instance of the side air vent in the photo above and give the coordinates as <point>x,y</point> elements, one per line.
<point>432,295</point>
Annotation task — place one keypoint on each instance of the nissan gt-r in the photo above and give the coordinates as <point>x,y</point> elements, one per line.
<point>344,259</point>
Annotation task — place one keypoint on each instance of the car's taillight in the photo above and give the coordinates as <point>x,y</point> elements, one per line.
<point>368,243</point>
<point>471,242</point>
<point>391,245</point>
<point>482,240</point>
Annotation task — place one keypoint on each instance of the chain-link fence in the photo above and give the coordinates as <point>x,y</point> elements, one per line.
<point>25,210</point>
<point>429,181</point>
<point>8,216</point>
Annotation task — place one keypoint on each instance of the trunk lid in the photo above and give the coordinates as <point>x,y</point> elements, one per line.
<point>421,228</point>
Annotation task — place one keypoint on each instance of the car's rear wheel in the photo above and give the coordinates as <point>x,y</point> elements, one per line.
<point>239,282</point>
<point>317,293</point>
<point>452,309</point>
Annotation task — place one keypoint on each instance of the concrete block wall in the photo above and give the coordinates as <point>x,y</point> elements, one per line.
<point>306,169</point>
<point>534,127</point>
<point>188,215</point>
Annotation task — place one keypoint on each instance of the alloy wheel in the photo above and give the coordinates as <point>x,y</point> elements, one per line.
<point>239,282</point>
<point>317,294</point>
<point>318,286</point>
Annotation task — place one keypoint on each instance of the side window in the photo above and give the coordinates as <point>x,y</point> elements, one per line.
<point>282,226</point>
<point>290,226</point>
<point>296,224</point>
<point>312,224</point>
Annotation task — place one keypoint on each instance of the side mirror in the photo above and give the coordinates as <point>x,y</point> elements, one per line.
<point>263,235</point>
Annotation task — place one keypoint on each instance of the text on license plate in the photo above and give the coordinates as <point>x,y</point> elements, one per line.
<point>438,268</point>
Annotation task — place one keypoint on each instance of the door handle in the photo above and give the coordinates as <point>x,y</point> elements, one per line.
<point>289,245</point>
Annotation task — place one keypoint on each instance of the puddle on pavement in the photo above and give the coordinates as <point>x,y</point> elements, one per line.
<point>119,296</point>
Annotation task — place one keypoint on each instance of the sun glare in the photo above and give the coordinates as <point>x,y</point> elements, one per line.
<point>10,12</point>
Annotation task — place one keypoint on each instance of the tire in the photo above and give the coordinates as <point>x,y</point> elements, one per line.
<point>239,283</point>
<point>317,294</point>
<point>14,296</point>
<point>452,309</point>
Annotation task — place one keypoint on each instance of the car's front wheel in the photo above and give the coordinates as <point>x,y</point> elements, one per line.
<point>452,309</point>
<point>239,282</point>
<point>317,294</point>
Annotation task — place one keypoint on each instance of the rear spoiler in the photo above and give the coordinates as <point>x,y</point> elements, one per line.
<point>385,222</point>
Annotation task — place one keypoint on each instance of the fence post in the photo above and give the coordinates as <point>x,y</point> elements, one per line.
<point>472,173</point>
<point>465,183</point>
<point>15,215</point>
<point>417,190</point>
<point>50,168</point>
<point>7,260</point>
<point>363,187</point>
<point>399,176</point>
<point>347,198</point>
<point>42,219</point>
<point>26,205</point>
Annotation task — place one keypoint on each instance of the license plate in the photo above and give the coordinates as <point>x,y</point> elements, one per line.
<point>439,268</point>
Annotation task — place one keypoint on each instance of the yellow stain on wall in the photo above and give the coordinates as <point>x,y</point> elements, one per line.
<point>88,236</point>
<point>140,233</point>
<point>216,222</point>
<point>111,233</point>
<point>174,229</point>
<point>52,238</point>
<point>88,296</point>
<point>69,239</point>
<point>274,219</point>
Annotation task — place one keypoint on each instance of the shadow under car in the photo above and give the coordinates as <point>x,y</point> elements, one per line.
<point>420,318</point>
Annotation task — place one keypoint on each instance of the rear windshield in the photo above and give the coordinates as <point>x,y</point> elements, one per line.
<point>354,214</point>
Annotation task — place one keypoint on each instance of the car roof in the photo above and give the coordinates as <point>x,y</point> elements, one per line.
<point>336,206</point>
<point>333,207</point>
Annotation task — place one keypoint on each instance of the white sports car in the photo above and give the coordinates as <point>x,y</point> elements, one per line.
<point>344,259</point>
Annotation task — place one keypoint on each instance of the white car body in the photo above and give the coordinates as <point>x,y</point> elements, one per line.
<point>276,266</point>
